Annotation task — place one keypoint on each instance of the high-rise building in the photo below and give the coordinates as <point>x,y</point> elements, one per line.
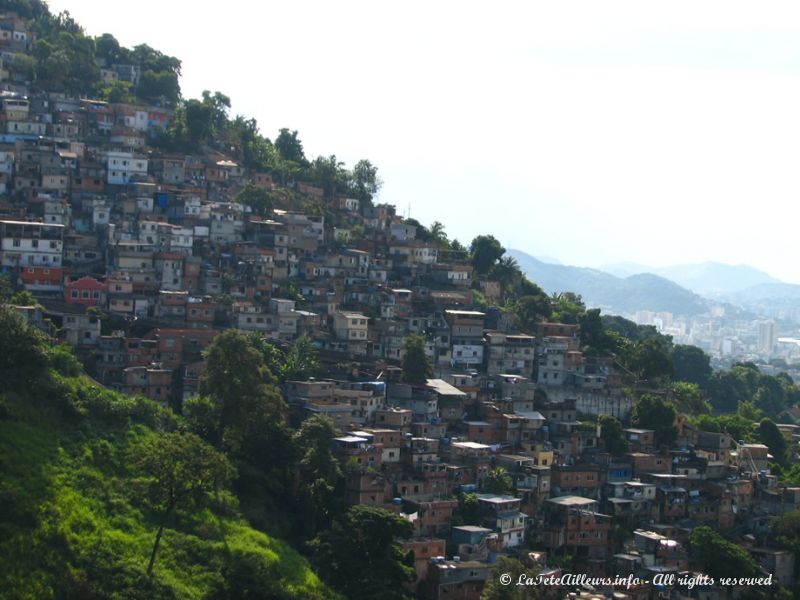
<point>767,336</point>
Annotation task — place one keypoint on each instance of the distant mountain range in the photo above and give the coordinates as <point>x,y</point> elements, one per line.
<point>642,291</point>
<point>709,279</point>
<point>688,289</point>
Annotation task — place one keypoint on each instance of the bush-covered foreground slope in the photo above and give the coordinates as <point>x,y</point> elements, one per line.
<point>77,516</point>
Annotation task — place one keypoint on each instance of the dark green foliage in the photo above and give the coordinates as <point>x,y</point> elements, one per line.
<point>359,555</point>
<point>568,308</point>
<point>769,434</point>
<point>298,363</point>
<point>496,589</point>
<point>612,435</point>
<point>27,9</point>
<point>117,91</point>
<point>691,364</point>
<point>649,361</point>
<point>530,310</point>
<point>319,473</point>
<point>179,467</point>
<point>594,337</point>
<point>739,427</point>
<point>416,364</point>
<point>485,251</point>
<point>76,521</point>
<point>161,88</point>
<point>241,388</point>
<point>498,481</point>
<point>23,350</point>
<point>365,182</point>
<point>689,399</point>
<point>717,557</point>
<point>785,530</point>
<point>439,235</point>
<point>330,174</point>
<point>653,412</point>
<point>744,383</point>
<point>65,63</point>
<point>726,390</point>
<point>290,147</point>
<point>257,198</point>
<point>636,333</point>
<point>468,511</point>
<point>506,272</point>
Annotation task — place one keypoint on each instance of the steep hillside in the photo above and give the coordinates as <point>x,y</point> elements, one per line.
<point>76,523</point>
<point>613,294</point>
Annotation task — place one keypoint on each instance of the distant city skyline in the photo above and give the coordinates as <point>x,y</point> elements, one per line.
<point>592,133</point>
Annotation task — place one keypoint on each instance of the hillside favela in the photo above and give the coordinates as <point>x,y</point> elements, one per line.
<point>229,371</point>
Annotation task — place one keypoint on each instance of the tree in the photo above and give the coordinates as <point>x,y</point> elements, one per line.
<point>256,198</point>
<point>717,557</point>
<point>785,530</point>
<point>297,364</point>
<point>422,234</point>
<point>506,271</point>
<point>653,412</point>
<point>612,435</point>
<point>569,308</point>
<point>649,361</point>
<point>108,48</point>
<point>498,481</point>
<point>301,360</point>
<point>23,349</point>
<point>290,147</point>
<point>725,391</point>
<point>66,63</point>
<point>159,87</point>
<point>319,471</point>
<point>179,467</point>
<point>329,174</point>
<point>484,252</point>
<point>691,364</point>
<point>594,337</point>
<point>506,589</point>
<point>240,387</point>
<point>438,234</point>
<point>769,434</point>
<point>456,246</point>
<point>529,310</point>
<point>365,181</point>
<point>469,509</point>
<point>416,365</point>
<point>359,555</point>
<point>688,398</point>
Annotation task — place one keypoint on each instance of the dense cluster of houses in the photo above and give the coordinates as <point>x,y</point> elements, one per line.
<point>138,259</point>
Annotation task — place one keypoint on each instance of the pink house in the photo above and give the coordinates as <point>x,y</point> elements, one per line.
<point>85,290</point>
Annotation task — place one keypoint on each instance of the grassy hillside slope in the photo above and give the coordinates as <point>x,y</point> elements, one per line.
<point>75,520</point>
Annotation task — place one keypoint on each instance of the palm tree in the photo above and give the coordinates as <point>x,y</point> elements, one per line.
<point>438,234</point>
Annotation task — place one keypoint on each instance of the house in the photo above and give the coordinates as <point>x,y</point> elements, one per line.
<point>85,290</point>
<point>571,524</point>
<point>466,336</point>
<point>509,354</point>
<point>350,326</point>
<point>502,515</point>
<point>34,252</point>
<point>125,167</point>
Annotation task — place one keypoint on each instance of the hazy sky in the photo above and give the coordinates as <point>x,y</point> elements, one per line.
<point>594,132</point>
